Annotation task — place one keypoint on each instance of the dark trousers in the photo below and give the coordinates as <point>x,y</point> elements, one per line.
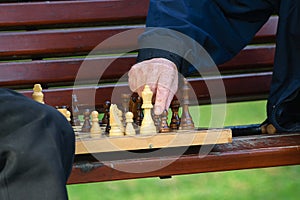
<point>223,28</point>
<point>36,149</point>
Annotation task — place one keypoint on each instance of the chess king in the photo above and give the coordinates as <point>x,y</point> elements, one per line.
<point>147,126</point>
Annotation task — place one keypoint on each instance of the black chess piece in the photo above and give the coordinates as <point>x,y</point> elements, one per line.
<point>105,118</point>
<point>186,122</point>
<point>86,127</point>
<point>175,120</point>
<point>75,111</point>
<point>164,128</point>
<point>140,114</point>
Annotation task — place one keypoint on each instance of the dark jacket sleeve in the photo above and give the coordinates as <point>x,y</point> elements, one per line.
<point>221,27</point>
<point>36,149</point>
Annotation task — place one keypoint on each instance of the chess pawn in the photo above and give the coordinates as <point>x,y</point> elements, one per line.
<point>114,121</point>
<point>38,94</point>
<point>147,126</point>
<point>175,120</point>
<point>95,129</point>
<point>164,128</point>
<point>186,122</point>
<point>86,127</point>
<point>105,119</point>
<point>129,130</point>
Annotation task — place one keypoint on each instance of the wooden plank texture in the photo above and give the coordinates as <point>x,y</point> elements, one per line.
<point>66,70</point>
<point>47,43</point>
<point>78,41</point>
<point>162,140</point>
<point>238,88</point>
<point>243,153</point>
<point>67,12</point>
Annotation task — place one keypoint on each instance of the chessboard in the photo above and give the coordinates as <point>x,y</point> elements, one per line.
<point>101,144</point>
<point>135,127</point>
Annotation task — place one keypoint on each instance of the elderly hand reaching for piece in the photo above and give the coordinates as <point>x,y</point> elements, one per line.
<point>162,77</point>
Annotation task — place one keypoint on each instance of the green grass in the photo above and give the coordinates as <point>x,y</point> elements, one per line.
<point>269,183</point>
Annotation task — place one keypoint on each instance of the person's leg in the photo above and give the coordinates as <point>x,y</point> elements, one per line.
<point>36,149</point>
<point>284,101</point>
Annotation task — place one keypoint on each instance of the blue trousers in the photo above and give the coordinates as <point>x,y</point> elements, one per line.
<point>223,28</point>
<point>36,149</point>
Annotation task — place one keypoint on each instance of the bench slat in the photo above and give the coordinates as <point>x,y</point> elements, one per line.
<point>68,42</point>
<point>243,153</point>
<point>65,71</point>
<point>67,12</point>
<point>268,32</point>
<point>238,88</point>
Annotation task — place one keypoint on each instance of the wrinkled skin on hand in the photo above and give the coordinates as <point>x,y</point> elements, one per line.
<point>162,77</point>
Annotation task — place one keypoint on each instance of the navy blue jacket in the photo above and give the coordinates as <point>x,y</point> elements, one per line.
<point>223,28</point>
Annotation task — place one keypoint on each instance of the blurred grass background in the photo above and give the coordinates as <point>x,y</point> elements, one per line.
<point>267,183</point>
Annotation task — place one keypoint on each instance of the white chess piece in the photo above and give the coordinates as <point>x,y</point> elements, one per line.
<point>129,127</point>
<point>114,121</point>
<point>147,126</point>
<point>68,116</point>
<point>38,94</point>
<point>120,115</point>
<point>95,129</point>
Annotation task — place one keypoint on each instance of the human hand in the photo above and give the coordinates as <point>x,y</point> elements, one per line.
<point>162,77</point>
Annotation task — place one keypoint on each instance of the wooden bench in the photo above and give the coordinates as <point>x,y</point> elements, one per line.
<point>47,42</point>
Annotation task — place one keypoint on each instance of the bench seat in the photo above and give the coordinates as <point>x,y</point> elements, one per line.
<point>47,42</point>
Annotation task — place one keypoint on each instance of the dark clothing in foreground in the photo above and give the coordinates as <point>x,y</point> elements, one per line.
<point>223,28</point>
<point>36,149</point>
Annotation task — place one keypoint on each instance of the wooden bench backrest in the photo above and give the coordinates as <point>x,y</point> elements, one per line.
<point>47,43</point>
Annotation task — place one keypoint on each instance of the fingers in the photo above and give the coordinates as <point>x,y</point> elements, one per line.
<point>151,86</point>
<point>141,74</point>
<point>166,89</point>
<point>162,77</point>
<point>162,95</point>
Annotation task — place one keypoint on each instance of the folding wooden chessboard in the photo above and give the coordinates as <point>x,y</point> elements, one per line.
<point>147,131</point>
<point>86,144</point>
